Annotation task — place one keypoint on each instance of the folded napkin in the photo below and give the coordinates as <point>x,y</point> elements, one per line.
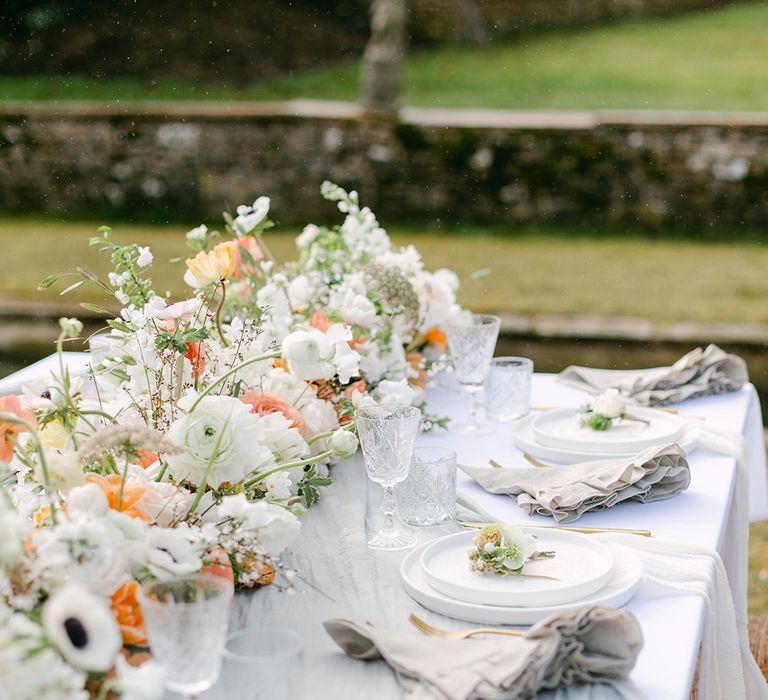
<point>566,492</point>
<point>700,372</point>
<point>587,645</point>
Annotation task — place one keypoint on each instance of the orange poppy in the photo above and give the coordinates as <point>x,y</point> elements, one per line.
<point>132,493</point>
<point>127,610</point>
<point>11,404</point>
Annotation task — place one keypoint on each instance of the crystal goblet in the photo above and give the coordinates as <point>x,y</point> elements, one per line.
<point>471,342</point>
<point>187,620</point>
<point>387,434</point>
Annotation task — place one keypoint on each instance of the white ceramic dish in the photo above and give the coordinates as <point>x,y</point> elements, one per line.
<point>563,429</point>
<point>619,590</point>
<point>523,437</point>
<point>580,567</point>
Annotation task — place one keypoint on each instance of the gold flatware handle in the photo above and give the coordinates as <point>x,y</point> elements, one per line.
<point>583,530</point>
<point>431,631</point>
<point>493,630</point>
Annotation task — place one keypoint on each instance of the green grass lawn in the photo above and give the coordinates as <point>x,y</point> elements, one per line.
<point>706,60</point>
<point>546,271</point>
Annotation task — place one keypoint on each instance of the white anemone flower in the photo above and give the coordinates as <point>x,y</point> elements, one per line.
<point>82,628</point>
<point>170,553</point>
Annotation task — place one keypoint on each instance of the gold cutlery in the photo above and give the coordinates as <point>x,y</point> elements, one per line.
<point>583,530</point>
<point>458,634</point>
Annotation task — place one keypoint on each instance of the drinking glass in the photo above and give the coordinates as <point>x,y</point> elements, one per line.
<point>186,620</point>
<point>508,389</point>
<point>264,663</point>
<point>387,434</point>
<point>471,343</point>
<point>428,495</point>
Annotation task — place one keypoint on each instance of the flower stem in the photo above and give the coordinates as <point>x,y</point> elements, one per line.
<point>290,465</point>
<point>229,373</point>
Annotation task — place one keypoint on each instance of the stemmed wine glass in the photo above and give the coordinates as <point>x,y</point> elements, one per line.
<point>471,342</point>
<point>187,620</point>
<point>387,434</point>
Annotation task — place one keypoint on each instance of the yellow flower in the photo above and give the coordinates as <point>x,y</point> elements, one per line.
<point>213,266</point>
<point>54,435</point>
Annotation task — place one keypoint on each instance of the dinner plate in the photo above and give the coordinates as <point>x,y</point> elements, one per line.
<point>564,429</point>
<point>619,590</point>
<point>524,439</point>
<point>580,567</point>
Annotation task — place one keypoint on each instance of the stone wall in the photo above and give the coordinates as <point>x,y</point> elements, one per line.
<point>160,162</point>
<point>450,20</point>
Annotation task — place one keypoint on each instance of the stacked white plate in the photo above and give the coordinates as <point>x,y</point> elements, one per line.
<point>559,435</point>
<point>583,572</point>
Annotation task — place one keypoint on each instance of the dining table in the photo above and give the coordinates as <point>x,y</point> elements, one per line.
<point>338,576</point>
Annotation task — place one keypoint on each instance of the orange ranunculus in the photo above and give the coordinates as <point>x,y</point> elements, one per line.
<point>359,385</point>
<point>127,610</point>
<point>133,492</point>
<point>320,321</point>
<point>416,361</point>
<point>263,403</point>
<point>147,458</point>
<point>11,404</point>
<point>251,247</point>
<point>220,566</point>
<point>436,337</point>
<point>212,266</point>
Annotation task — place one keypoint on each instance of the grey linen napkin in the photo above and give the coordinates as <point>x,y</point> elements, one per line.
<point>699,373</point>
<point>590,644</point>
<point>566,492</point>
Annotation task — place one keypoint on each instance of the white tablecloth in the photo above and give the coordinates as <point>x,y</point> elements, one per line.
<point>351,581</point>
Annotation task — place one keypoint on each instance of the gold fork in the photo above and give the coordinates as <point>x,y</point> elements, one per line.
<point>458,634</point>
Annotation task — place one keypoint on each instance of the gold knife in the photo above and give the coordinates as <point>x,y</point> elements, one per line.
<point>583,530</point>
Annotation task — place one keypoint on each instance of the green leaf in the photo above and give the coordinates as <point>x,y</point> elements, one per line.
<point>47,282</point>
<point>96,308</point>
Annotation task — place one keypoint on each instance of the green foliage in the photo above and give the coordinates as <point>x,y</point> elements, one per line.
<point>310,483</point>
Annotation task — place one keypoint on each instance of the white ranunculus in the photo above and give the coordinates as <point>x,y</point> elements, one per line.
<point>609,404</point>
<point>88,501</point>
<point>170,554</point>
<point>248,218</point>
<point>343,443</point>
<point>82,627</point>
<point>307,236</point>
<point>396,392</point>
<point>275,526</point>
<point>300,292</point>
<point>358,310</point>
<point>218,437</point>
<point>143,682</point>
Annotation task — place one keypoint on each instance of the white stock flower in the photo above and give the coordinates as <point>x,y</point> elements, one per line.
<point>437,297</point>
<point>609,404</point>
<point>307,237</point>
<point>343,443</point>
<point>278,485</point>
<point>145,257</point>
<point>248,218</point>
<point>144,682</point>
<point>197,236</point>
<point>217,436</point>
<point>274,526</point>
<point>82,627</point>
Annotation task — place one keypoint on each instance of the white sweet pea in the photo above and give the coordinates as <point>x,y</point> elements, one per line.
<point>345,360</point>
<point>145,257</point>
<point>275,527</point>
<point>169,553</point>
<point>181,311</point>
<point>396,392</point>
<point>197,237</point>
<point>300,292</point>
<point>248,218</point>
<point>609,404</point>
<point>144,682</point>
<point>343,443</point>
<point>218,437</point>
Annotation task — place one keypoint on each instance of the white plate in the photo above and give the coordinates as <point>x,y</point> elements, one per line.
<point>623,584</point>
<point>523,437</point>
<point>564,429</point>
<point>580,567</point>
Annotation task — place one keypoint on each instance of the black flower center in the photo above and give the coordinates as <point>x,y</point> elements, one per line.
<point>46,395</point>
<point>76,632</point>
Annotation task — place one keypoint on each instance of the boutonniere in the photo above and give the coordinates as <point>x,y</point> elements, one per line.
<point>503,550</point>
<point>605,409</point>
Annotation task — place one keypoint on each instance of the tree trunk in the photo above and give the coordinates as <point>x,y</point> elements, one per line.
<point>384,56</point>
